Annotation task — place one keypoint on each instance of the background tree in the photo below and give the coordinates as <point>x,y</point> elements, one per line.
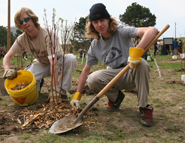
<point>18,32</point>
<point>138,16</point>
<point>80,41</point>
<point>13,37</point>
<point>3,36</point>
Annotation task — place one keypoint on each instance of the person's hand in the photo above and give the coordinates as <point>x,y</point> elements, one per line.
<point>75,102</point>
<point>10,74</point>
<point>135,57</point>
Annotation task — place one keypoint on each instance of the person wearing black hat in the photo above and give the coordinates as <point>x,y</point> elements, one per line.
<point>113,46</point>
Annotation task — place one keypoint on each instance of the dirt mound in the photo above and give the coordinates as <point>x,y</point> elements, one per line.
<point>176,81</point>
<point>86,90</point>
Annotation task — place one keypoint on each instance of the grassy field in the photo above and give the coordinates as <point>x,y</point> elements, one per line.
<point>167,96</point>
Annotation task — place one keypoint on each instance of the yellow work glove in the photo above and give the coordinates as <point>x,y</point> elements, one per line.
<point>135,56</point>
<point>75,102</point>
<point>10,74</point>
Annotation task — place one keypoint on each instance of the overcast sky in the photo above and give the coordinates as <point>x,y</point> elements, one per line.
<point>166,11</point>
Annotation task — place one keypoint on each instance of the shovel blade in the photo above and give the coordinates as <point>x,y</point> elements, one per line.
<point>65,124</point>
<point>2,87</point>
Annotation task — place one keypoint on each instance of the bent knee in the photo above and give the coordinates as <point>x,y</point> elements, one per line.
<point>91,80</point>
<point>72,59</point>
<point>94,80</point>
<point>144,65</point>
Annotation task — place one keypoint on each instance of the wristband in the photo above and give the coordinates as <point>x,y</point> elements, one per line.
<point>136,53</point>
<point>51,56</point>
<point>77,95</point>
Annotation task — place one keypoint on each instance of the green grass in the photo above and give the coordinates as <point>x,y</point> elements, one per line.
<point>42,138</point>
<point>16,62</point>
<point>162,57</point>
<point>173,66</point>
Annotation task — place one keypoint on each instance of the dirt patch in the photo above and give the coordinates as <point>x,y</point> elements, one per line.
<point>176,81</point>
<point>85,91</point>
<point>166,96</point>
<point>20,86</point>
<point>41,115</point>
<point>171,61</point>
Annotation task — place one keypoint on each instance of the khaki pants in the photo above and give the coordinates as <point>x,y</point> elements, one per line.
<point>41,71</point>
<point>138,78</point>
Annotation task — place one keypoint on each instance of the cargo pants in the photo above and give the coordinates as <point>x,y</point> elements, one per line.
<point>41,71</point>
<point>138,78</point>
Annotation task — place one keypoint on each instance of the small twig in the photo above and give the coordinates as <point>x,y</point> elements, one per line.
<point>18,121</point>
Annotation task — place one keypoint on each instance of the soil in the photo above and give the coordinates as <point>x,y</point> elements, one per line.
<point>168,103</point>
<point>20,86</point>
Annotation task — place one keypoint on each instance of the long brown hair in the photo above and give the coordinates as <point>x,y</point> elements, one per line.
<point>92,33</point>
<point>30,13</point>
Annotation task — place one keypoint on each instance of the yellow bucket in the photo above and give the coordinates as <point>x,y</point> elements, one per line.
<point>27,95</point>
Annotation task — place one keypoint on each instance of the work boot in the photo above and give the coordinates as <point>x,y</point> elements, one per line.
<point>146,115</point>
<point>41,84</point>
<point>114,106</point>
<point>64,96</point>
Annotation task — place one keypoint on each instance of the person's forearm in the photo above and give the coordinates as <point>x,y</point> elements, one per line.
<point>82,81</point>
<point>7,59</point>
<point>6,63</point>
<point>147,37</point>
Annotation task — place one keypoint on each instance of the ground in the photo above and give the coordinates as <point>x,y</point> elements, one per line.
<point>166,96</point>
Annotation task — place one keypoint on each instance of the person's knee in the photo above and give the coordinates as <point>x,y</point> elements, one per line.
<point>93,81</point>
<point>144,65</point>
<point>72,59</point>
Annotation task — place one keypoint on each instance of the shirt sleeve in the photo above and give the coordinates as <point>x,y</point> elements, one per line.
<point>17,46</point>
<point>127,32</point>
<point>91,59</point>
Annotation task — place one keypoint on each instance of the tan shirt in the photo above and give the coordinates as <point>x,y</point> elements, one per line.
<point>40,47</point>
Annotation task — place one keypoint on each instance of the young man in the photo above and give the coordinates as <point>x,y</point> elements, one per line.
<point>111,45</point>
<point>38,42</point>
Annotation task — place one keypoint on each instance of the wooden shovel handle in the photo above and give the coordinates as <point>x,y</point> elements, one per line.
<point>122,72</point>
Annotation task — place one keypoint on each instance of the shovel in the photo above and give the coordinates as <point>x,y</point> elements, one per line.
<point>2,87</point>
<point>71,122</point>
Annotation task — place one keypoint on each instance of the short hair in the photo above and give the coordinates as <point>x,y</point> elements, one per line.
<point>30,13</point>
<point>92,33</point>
